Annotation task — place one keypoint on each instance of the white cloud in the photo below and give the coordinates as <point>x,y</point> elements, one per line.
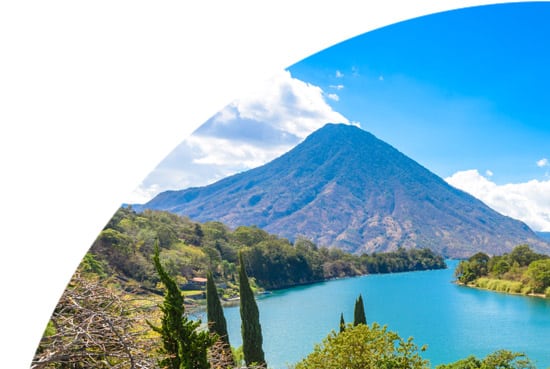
<point>337,87</point>
<point>288,105</point>
<point>543,163</point>
<point>245,134</point>
<point>142,194</point>
<point>224,152</point>
<point>528,202</point>
<point>339,74</point>
<point>489,173</point>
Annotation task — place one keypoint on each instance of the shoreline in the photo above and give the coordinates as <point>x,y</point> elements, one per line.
<point>535,295</point>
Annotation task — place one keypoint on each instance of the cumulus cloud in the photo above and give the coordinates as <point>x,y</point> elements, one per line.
<point>528,202</point>
<point>247,133</point>
<point>543,163</point>
<point>284,104</point>
<point>339,74</point>
<point>337,87</point>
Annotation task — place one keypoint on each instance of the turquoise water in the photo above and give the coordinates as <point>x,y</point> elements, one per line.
<point>453,321</point>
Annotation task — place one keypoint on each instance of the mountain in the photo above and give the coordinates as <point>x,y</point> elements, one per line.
<point>344,187</point>
<point>544,235</point>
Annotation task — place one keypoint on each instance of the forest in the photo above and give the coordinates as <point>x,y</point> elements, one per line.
<point>189,250</point>
<point>522,271</point>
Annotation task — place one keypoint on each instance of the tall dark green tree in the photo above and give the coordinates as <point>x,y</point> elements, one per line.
<point>342,323</point>
<point>216,319</point>
<point>251,329</point>
<point>359,312</point>
<point>184,346</point>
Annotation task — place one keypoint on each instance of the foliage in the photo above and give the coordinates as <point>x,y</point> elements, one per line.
<point>402,260</point>
<point>91,265</point>
<point>474,267</point>
<point>501,359</point>
<point>93,326</point>
<point>500,285</point>
<point>216,321</point>
<point>275,263</point>
<point>520,271</point>
<point>538,275</point>
<point>251,329</point>
<point>184,346</point>
<point>189,249</point>
<point>359,312</point>
<point>364,347</point>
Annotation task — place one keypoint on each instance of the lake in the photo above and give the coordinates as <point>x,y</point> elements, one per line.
<point>453,321</point>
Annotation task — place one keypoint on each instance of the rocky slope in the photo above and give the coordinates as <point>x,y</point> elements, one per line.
<point>344,187</point>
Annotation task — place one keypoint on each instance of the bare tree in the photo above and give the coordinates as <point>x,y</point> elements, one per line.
<point>94,327</point>
<point>219,355</point>
<point>219,358</point>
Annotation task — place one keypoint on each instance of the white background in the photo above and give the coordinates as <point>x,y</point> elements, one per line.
<point>93,95</point>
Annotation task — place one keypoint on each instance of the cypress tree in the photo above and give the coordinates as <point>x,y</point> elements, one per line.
<point>359,312</point>
<point>342,323</point>
<point>251,329</point>
<point>183,345</point>
<point>216,320</point>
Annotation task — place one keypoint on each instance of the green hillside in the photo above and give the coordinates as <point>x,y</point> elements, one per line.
<point>189,249</point>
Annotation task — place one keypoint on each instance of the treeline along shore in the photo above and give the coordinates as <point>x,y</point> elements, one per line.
<point>522,271</point>
<point>189,249</point>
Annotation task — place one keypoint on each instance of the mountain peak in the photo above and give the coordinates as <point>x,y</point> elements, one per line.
<point>344,187</point>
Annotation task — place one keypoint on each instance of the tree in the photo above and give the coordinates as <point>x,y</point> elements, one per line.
<point>342,323</point>
<point>524,256</point>
<point>364,347</point>
<point>359,312</point>
<point>538,273</point>
<point>501,359</point>
<point>251,329</point>
<point>93,326</point>
<point>476,266</point>
<point>216,320</point>
<point>184,346</point>
<point>499,265</point>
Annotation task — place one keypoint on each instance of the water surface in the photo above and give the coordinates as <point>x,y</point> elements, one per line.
<point>453,321</point>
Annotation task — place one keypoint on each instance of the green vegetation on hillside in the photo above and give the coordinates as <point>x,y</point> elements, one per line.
<point>97,325</point>
<point>188,250</point>
<point>520,271</point>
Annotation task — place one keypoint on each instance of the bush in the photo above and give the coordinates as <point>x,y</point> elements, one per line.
<point>500,285</point>
<point>364,347</point>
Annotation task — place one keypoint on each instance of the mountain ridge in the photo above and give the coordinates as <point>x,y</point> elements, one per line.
<point>344,187</point>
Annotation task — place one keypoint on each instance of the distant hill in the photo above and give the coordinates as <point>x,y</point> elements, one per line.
<point>344,187</point>
<point>544,235</point>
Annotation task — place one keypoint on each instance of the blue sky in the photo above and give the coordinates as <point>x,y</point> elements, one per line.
<point>465,93</point>
<point>458,90</point>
